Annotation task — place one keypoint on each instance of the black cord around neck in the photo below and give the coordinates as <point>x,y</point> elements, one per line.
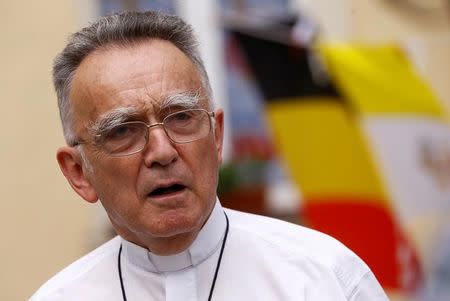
<point>216,272</point>
<point>211,290</point>
<point>119,266</point>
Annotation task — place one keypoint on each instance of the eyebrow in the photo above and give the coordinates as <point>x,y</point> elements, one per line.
<point>111,119</point>
<point>185,100</point>
<point>107,121</point>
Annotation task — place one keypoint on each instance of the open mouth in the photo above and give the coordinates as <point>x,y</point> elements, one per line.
<point>167,190</point>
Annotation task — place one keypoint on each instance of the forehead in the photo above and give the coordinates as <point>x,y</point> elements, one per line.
<point>140,75</point>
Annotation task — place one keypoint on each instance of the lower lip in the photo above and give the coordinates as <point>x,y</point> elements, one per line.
<point>171,198</point>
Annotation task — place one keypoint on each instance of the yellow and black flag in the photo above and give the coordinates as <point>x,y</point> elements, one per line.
<point>317,129</point>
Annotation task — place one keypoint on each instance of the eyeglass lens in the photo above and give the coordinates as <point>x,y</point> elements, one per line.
<point>181,127</point>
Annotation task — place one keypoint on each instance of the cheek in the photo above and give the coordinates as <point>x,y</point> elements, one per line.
<point>114,177</point>
<point>205,166</point>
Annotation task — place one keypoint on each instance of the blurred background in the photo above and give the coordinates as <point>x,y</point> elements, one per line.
<point>337,119</point>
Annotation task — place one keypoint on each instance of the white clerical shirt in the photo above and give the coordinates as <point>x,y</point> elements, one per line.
<point>263,259</point>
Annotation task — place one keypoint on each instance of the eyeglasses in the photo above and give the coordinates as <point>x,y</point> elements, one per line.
<point>129,138</point>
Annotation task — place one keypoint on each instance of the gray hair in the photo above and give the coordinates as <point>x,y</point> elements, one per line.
<point>121,29</point>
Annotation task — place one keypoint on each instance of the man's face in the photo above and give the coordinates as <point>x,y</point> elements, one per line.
<point>141,77</point>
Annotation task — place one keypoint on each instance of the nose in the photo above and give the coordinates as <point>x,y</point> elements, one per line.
<point>160,151</point>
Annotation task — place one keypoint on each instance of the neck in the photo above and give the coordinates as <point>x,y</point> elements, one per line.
<point>163,245</point>
<point>187,250</point>
<point>177,243</point>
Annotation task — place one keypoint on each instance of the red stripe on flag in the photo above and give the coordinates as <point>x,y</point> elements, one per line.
<point>369,230</point>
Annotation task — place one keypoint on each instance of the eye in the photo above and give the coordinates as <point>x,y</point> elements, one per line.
<point>122,131</point>
<point>183,116</point>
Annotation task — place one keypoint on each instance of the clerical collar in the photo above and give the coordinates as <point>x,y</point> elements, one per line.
<point>205,244</point>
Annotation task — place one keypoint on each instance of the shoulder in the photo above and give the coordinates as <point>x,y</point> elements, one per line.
<point>301,247</point>
<point>291,236</point>
<point>91,263</point>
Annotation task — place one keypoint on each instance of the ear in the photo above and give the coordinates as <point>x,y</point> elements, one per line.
<point>218,133</point>
<point>70,163</point>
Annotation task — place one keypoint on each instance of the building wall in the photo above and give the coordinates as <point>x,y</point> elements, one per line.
<point>43,224</point>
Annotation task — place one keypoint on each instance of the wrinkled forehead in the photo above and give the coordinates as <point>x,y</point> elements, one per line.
<point>148,75</point>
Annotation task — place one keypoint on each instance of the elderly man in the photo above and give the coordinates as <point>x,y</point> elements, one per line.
<point>144,138</point>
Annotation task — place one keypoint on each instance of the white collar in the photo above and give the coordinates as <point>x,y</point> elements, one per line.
<point>204,245</point>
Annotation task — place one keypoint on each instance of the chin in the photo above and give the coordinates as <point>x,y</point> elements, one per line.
<point>176,224</point>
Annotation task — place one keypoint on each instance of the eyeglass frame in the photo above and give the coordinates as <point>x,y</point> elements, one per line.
<point>211,114</point>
